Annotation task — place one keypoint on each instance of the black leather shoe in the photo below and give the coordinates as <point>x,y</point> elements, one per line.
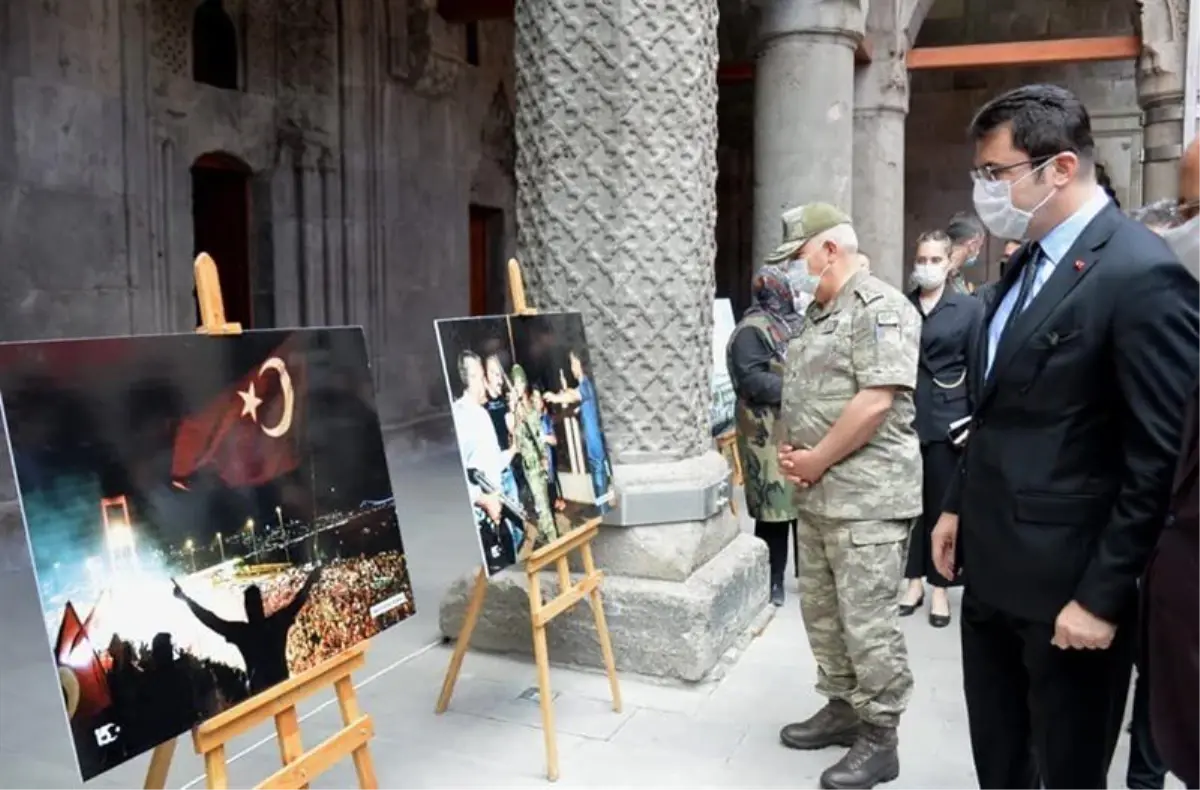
<point>836,724</point>
<point>777,594</point>
<point>872,760</point>
<point>939,620</point>
<point>908,608</point>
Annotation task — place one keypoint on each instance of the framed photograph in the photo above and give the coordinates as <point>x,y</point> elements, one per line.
<point>530,436</point>
<point>206,517</point>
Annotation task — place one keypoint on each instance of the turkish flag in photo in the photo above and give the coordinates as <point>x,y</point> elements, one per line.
<point>249,434</point>
<point>84,684</point>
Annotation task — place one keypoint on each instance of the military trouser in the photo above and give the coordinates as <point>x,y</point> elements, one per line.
<point>850,574</point>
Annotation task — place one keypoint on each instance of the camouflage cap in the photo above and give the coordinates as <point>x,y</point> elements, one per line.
<point>802,223</point>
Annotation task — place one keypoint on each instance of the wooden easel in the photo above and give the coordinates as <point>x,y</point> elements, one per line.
<point>542,612</point>
<point>727,445</point>
<point>279,702</point>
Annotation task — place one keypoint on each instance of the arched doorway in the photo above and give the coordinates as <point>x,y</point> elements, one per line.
<point>221,227</point>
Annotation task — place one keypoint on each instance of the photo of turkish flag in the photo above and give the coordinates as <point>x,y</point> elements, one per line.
<point>249,434</point>
<point>75,653</point>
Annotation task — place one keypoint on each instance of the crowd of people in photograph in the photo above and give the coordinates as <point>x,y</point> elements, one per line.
<point>1032,438</point>
<point>337,616</point>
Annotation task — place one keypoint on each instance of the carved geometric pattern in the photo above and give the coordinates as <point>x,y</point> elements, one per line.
<point>171,35</point>
<point>616,201</point>
<point>307,30</point>
<point>420,47</point>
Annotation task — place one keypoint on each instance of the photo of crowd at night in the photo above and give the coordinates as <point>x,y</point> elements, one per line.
<point>206,516</point>
<point>527,420</point>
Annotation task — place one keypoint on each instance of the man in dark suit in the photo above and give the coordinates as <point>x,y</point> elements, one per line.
<point>1086,359</point>
<point>1171,589</point>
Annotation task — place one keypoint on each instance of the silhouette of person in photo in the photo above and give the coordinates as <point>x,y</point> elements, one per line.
<point>262,639</point>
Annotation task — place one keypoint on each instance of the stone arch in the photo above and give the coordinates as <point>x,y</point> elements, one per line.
<point>214,46</point>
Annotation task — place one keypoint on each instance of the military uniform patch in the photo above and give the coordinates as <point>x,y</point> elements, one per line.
<point>886,322</point>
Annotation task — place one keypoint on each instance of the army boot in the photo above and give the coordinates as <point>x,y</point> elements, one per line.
<point>836,724</point>
<point>871,760</point>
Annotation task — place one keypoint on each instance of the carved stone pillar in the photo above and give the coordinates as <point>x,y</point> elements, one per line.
<point>616,173</point>
<point>880,112</point>
<point>1160,83</point>
<point>804,103</point>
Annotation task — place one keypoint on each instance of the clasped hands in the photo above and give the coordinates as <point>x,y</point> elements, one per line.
<point>1075,628</point>
<point>801,466</point>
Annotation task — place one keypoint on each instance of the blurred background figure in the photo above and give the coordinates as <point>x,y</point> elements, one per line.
<point>1159,216</point>
<point>949,322</point>
<point>967,236</point>
<point>755,356</point>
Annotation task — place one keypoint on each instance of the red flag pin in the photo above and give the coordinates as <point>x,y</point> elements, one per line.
<point>1079,266</point>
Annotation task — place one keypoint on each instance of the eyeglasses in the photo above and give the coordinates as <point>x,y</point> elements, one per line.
<point>989,172</point>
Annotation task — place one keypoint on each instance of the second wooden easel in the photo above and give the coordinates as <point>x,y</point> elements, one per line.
<point>278,702</point>
<point>541,612</point>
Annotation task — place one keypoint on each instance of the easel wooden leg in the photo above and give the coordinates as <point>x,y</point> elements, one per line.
<point>216,769</point>
<point>474,607</point>
<point>541,654</point>
<point>287,727</point>
<point>594,600</point>
<point>160,765</point>
<point>364,765</point>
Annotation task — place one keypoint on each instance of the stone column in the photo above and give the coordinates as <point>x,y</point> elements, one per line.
<point>616,173</point>
<point>1160,84</point>
<point>804,103</point>
<point>880,112</point>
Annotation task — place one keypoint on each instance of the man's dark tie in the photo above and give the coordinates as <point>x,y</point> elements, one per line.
<point>1033,262</point>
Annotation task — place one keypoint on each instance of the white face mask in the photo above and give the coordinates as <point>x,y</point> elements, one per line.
<point>994,205</point>
<point>1184,241</point>
<point>929,276</point>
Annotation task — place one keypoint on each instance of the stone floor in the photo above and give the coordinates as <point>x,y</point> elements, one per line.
<point>711,735</point>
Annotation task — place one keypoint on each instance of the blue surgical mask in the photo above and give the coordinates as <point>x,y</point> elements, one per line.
<point>969,262</point>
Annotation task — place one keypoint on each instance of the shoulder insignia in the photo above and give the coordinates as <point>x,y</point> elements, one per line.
<point>887,318</point>
<point>868,291</point>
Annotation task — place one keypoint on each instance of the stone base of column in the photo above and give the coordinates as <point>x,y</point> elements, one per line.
<point>676,597</point>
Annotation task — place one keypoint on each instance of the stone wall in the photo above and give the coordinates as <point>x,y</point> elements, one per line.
<point>938,155</point>
<point>367,134</point>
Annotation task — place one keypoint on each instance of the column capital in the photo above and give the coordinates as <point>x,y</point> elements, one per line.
<point>882,85</point>
<point>835,18</point>
<point>1162,25</point>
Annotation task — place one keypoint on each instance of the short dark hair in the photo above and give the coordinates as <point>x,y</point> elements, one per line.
<point>1045,120</point>
<point>1160,213</point>
<point>964,227</point>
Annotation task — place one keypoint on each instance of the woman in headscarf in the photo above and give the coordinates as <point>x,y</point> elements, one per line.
<point>755,356</point>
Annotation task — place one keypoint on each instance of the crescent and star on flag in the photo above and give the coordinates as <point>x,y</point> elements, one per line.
<point>251,401</point>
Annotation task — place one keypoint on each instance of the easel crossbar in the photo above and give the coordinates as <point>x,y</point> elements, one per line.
<point>549,554</point>
<point>320,759</point>
<point>226,726</point>
<point>567,598</point>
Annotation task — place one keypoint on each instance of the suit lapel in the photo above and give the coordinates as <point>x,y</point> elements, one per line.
<point>1012,275</point>
<point>1070,270</point>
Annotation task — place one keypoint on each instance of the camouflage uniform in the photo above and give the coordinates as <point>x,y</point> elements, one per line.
<point>855,521</point>
<point>768,494</point>
<point>531,451</point>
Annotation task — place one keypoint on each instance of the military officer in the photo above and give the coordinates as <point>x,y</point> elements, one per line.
<point>848,444</point>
